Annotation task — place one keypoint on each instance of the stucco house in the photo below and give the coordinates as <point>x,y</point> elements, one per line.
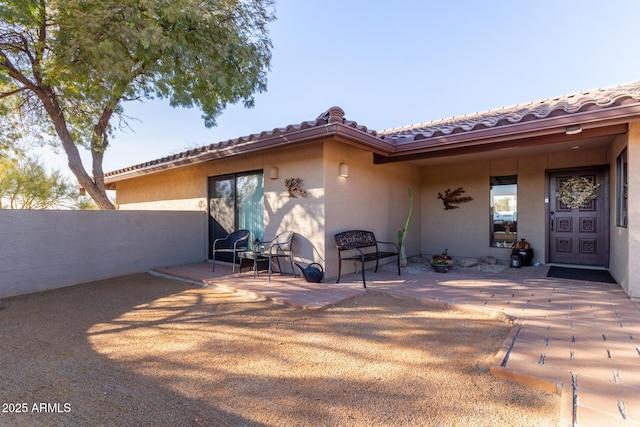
<point>523,167</point>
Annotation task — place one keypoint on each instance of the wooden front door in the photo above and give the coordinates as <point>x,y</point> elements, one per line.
<point>579,235</point>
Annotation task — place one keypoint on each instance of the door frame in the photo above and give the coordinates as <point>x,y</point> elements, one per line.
<point>605,215</point>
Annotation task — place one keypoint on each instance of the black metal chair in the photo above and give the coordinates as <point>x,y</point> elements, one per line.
<point>235,242</point>
<point>280,247</point>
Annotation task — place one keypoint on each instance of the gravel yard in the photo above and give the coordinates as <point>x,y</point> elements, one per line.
<point>146,351</point>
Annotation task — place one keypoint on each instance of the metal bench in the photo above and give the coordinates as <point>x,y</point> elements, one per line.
<point>362,246</point>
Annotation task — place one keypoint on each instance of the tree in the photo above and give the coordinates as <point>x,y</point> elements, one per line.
<point>26,184</point>
<point>68,66</point>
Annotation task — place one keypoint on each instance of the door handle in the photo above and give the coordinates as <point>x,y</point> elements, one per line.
<point>552,218</point>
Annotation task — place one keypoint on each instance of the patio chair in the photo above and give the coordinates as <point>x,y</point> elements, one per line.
<point>280,247</point>
<point>235,242</point>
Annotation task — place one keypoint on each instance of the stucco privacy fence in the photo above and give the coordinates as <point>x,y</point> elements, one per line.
<point>41,250</point>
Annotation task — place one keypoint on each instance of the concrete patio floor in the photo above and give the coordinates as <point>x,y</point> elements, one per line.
<point>576,338</point>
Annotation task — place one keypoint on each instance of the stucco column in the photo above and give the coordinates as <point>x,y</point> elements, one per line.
<point>633,228</point>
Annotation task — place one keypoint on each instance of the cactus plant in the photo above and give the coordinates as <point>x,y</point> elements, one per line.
<point>402,234</point>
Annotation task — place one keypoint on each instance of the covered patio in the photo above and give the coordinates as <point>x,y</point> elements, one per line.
<point>575,338</point>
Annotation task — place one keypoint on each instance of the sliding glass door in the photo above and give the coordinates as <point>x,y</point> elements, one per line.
<point>235,202</point>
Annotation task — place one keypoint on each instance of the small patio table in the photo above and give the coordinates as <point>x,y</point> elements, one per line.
<point>251,259</point>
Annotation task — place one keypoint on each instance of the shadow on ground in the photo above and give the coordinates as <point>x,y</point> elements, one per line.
<point>142,350</point>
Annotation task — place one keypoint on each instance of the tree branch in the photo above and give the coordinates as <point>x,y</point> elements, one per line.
<point>12,92</point>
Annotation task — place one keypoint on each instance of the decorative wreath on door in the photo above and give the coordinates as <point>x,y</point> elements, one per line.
<point>575,192</point>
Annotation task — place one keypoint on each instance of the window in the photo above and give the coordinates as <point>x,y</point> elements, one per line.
<point>621,189</point>
<point>504,211</point>
<point>236,202</point>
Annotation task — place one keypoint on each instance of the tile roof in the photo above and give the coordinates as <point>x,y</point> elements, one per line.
<point>581,102</point>
<point>331,115</point>
<point>552,107</point>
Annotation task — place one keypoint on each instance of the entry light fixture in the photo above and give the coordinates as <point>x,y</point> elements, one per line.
<point>343,170</point>
<point>273,172</point>
<point>573,130</point>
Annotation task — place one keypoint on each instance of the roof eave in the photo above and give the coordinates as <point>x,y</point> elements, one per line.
<point>519,131</point>
<point>342,132</point>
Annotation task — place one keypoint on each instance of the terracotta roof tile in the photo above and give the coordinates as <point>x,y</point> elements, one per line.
<point>332,115</point>
<point>552,107</point>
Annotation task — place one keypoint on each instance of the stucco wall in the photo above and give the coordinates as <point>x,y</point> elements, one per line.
<point>462,231</point>
<point>43,250</point>
<point>619,236</point>
<point>302,215</point>
<point>176,189</point>
<point>186,188</point>
<point>625,242</point>
<point>465,231</point>
<point>372,197</point>
<point>633,229</point>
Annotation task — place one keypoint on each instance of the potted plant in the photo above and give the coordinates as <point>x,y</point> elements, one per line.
<point>443,256</point>
<point>441,263</point>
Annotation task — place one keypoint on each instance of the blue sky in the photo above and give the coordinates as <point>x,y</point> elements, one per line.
<point>390,64</point>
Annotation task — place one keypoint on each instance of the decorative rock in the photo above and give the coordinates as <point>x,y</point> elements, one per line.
<point>489,260</point>
<point>468,262</point>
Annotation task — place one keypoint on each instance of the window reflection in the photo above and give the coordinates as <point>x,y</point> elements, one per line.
<point>504,211</point>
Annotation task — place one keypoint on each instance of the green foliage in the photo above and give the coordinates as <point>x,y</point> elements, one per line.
<point>67,67</point>
<point>84,203</point>
<point>195,53</point>
<point>25,184</point>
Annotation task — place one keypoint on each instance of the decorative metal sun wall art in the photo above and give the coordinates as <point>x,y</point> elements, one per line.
<point>451,198</point>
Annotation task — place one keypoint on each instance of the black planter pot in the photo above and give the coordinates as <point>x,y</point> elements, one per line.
<point>438,268</point>
<point>441,268</point>
<point>525,255</point>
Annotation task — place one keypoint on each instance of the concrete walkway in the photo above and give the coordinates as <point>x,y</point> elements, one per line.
<point>576,338</point>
